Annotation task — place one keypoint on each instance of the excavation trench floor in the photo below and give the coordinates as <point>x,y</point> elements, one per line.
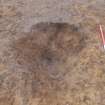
<point>51,52</point>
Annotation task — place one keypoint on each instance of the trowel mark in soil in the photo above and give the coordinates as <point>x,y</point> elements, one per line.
<point>49,44</point>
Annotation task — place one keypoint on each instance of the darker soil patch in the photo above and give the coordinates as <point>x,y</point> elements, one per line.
<point>49,43</point>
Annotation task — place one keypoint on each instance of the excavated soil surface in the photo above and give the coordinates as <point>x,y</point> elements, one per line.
<point>51,52</point>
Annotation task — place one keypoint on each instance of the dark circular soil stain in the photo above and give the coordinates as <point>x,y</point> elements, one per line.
<point>49,43</point>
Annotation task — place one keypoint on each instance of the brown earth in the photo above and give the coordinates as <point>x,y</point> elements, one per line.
<point>51,53</point>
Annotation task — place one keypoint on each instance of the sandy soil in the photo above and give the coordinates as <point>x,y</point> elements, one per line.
<point>51,53</point>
